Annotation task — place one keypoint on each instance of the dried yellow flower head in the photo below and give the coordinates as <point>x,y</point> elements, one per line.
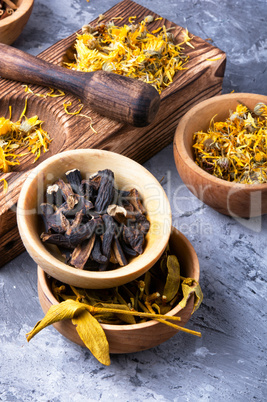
<point>235,149</point>
<point>131,50</point>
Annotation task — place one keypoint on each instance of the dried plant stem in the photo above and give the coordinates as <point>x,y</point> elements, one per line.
<point>170,324</point>
<point>94,310</point>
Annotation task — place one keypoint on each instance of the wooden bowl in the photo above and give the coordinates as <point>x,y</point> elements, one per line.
<point>128,174</point>
<point>12,26</point>
<point>134,337</point>
<point>236,200</point>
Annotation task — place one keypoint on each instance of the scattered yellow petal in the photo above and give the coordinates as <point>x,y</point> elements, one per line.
<point>131,19</point>
<point>21,134</point>
<point>5,183</point>
<point>214,59</point>
<point>68,104</point>
<point>157,30</point>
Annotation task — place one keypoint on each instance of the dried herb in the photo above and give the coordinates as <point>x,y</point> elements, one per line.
<point>22,134</point>
<point>235,149</point>
<point>103,226</point>
<point>7,8</point>
<point>88,328</point>
<point>55,93</point>
<point>148,297</point>
<point>130,50</point>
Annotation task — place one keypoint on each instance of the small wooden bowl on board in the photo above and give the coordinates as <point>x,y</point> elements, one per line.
<point>229,198</point>
<point>128,174</point>
<point>12,26</point>
<point>134,337</point>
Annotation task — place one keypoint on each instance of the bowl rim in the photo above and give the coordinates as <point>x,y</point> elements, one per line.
<point>45,255</point>
<point>42,277</point>
<point>179,137</point>
<point>22,9</point>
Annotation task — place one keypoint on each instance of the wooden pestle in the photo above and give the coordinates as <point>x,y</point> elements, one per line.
<point>120,98</point>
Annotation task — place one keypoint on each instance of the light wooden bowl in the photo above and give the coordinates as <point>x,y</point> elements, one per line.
<point>12,26</point>
<point>136,337</point>
<point>237,200</point>
<point>128,174</point>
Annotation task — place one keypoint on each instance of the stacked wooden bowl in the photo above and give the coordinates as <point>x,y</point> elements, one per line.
<point>121,338</point>
<point>12,25</point>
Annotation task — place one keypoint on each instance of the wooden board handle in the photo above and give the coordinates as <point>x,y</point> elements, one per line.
<point>120,98</point>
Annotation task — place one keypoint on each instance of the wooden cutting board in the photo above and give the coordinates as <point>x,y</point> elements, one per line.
<point>202,79</point>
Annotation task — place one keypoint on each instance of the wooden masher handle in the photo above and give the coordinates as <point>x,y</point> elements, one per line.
<point>117,97</point>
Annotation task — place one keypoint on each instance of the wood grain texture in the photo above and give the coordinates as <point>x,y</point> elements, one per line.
<point>114,96</point>
<point>134,337</point>
<point>201,80</point>
<point>229,198</point>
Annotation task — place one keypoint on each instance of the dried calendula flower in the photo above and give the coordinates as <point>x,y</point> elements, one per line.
<point>235,149</point>
<point>24,133</point>
<point>148,19</point>
<point>131,50</point>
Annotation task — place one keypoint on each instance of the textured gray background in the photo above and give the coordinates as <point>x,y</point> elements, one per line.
<point>229,362</point>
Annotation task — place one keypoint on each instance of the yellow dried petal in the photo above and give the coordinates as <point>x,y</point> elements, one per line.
<point>5,183</point>
<point>5,126</point>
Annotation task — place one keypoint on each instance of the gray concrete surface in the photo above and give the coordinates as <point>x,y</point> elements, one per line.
<point>229,362</point>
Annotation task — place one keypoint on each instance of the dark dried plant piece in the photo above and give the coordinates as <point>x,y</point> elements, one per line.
<point>96,254</point>
<point>68,194</point>
<point>56,238</point>
<point>106,191</point>
<point>81,210</point>
<point>57,222</point>
<point>110,231</point>
<point>142,223</point>
<point>88,189</point>
<point>123,200</point>
<point>134,237</point>
<point>75,224</point>
<point>74,178</point>
<point>135,199</point>
<point>119,252</point>
<point>83,232</point>
<point>128,249</point>
<point>47,209</point>
<point>82,252</point>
